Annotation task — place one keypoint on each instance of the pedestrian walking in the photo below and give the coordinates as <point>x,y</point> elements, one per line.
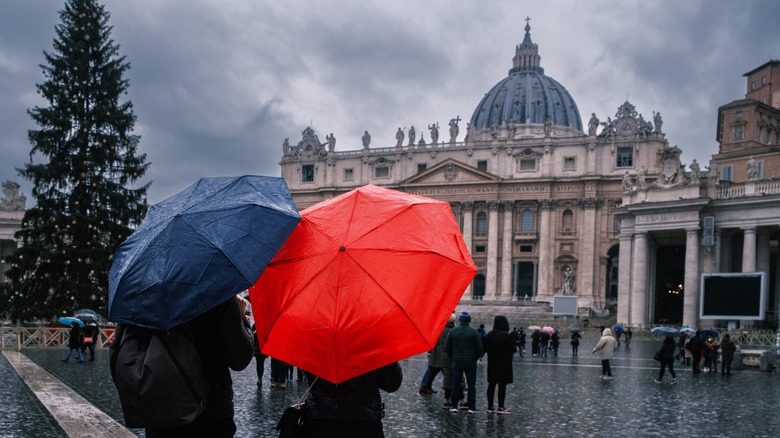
<point>629,335</point>
<point>555,342</point>
<point>435,364</point>
<point>544,344</point>
<point>666,358</point>
<point>500,348</point>
<point>446,367</point>
<point>521,342</point>
<point>74,343</point>
<point>696,347</point>
<point>535,342</point>
<point>464,346</point>
<point>575,343</point>
<point>711,348</point>
<point>259,358</point>
<point>91,332</point>
<point>727,350</point>
<point>606,345</point>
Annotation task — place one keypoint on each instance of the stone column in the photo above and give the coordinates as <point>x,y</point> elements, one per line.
<point>624,278</point>
<point>691,286</point>
<point>468,216</point>
<point>725,262</point>
<point>639,281</point>
<point>492,250</point>
<point>762,251</point>
<point>587,249</point>
<point>544,288</point>
<point>506,253</point>
<point>749,250</point>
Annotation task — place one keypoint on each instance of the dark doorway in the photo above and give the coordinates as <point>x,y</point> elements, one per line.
<point>669,282</point>
<point>478,287</point>
<point>524,280</point>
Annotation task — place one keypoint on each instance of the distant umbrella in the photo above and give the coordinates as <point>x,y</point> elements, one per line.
<point>665,331</point>
<point>68,321</point>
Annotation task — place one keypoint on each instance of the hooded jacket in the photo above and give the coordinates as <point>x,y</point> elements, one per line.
<point>500,348</point>
<point>606,344</point>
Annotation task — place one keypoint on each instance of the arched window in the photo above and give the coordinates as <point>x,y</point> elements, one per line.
<point>527,221</point>
<point>481,223</point>
<point>567,221</point>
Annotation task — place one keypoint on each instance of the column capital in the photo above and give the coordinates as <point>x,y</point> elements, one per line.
<point>467,205</point>
<point>508,205</point>
<point>493,205</point>
<point>590,203</point>
<point>547,204</point>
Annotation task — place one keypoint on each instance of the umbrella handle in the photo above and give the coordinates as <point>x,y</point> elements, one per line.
<point>302,400</point>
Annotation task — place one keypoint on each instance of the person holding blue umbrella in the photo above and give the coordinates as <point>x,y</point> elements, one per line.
<point>74,343</point>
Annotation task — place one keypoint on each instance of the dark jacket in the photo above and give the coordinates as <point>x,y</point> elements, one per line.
<point>75,336</point>
<point>464,346</point>
<point>500,348</point>
<point>695,345</point>
<point>356,399</point>
<point>668,349</point>
<point>224,341</point>
<point>727,349</point>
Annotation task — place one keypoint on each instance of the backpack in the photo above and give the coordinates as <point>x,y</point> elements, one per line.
<point>160,377</point>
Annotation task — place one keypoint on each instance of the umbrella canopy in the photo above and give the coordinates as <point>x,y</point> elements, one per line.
<point>86,317</point>
<point>196,249</point>
<point>575,329</point>
<point>665,331</point>
<point>367,278</point>
<point>534,328</point>
<point>69,320</point>
<point>709,332</point>
<point>687,330</point>
<point>548,329</point>
<point>618,329</point>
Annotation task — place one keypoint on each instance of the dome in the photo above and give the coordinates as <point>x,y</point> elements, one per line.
<point>528,97</point>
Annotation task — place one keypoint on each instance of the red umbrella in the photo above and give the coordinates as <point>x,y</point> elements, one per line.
<point>365,279</point>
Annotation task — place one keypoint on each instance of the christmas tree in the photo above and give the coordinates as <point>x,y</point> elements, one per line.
<point>85,170</point>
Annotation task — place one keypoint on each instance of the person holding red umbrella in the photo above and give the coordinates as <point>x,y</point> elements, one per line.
<point>352,408</point>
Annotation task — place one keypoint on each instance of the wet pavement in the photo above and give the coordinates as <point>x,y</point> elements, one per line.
<point>551,397</point>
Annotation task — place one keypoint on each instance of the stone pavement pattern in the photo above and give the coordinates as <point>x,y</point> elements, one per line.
<point>551,397</point>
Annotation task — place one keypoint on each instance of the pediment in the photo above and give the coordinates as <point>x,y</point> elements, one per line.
<point>451,171</point>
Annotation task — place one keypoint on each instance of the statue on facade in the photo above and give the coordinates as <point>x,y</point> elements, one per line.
<point>286,146</point>
<point>399,137</point>
<point>593,124</point>
<point>713,173</point>
<point>640,179</point>
<point>434,132</point>
<point>547,126</point>
<point>695,172</point>
<point>608,129</point>
<point>658,122</point>
<point>331,142</point>
<point>569,282</point>
<point>412,135</point>
<point>12,199</point>
<point>627,183</point>
<point>366,139</point>
<point>752,169</point>
<point>454,129</point>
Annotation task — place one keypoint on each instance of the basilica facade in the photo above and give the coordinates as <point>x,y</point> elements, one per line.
<point>604,210</point>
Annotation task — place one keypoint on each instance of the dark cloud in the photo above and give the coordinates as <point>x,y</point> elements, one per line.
<point>217,86</point>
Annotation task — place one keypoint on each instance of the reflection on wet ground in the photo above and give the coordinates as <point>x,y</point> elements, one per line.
<point>551,397</point>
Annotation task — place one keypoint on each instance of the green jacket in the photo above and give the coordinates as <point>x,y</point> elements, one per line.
<point>464,346</point>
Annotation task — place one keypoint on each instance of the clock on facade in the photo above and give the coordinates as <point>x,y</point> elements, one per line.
<point>625,126</point>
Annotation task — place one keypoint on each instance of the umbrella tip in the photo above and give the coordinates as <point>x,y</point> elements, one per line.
<point>342,248</point>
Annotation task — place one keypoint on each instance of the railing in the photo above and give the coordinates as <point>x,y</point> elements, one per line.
<point>750,188</point>
<point>17,338</point>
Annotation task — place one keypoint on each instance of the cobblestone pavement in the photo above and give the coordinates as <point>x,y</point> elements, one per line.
<point>551,397</point>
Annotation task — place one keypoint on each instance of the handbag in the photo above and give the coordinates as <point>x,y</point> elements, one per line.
<point>294,417</point>
<point>657,356</point>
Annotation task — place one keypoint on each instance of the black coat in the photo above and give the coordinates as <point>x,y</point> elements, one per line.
<point>500,348</point>
<point>75,337</point>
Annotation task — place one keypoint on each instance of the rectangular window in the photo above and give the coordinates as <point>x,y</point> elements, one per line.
<point>349,174</point>
<point>482,165</point>
<point>528,165</point>
<point>307,173</point>
<point>421,167</point>
<point>526,248</point>
<point>479,248</point>
<point>725,173</point>
<point>569,163</point>
<point>739,114</point>
<point>739,133</point>
<point>381,172</point>
<point>625,157</point>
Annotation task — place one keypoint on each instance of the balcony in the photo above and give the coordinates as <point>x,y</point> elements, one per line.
<point>526,236</point>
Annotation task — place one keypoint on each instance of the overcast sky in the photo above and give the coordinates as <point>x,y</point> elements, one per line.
<point>218,86</point>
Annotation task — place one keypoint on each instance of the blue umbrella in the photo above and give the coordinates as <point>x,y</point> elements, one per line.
<point>618,329</point>
<point>665,331</point>
<point>575,329</point>
<point>688,330</point>
<point>196,249</point>
<point>68,321</point>
<point>709,332</point>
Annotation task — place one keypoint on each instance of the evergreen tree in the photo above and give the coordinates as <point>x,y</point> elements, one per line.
<point>86,183</point>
